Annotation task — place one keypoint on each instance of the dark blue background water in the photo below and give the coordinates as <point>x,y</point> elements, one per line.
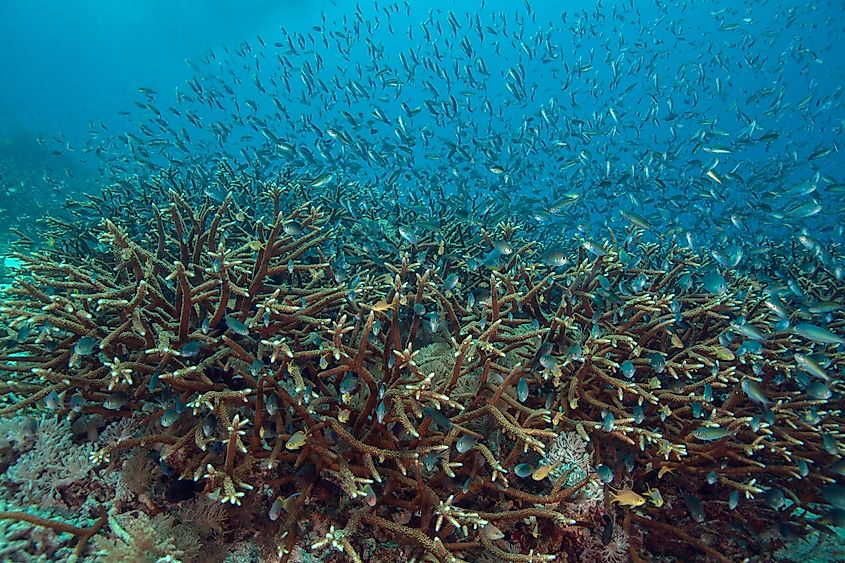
<point>64,64</point>
<point>67,63</point>
<point>69,68</point>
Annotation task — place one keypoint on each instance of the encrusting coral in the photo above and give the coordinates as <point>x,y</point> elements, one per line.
<point>461,401</point>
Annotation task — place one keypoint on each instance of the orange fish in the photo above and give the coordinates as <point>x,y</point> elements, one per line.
<point>626,497</point>
<point>380,306</point>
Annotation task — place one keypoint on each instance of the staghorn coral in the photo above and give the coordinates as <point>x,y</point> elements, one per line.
<point>326,404</point>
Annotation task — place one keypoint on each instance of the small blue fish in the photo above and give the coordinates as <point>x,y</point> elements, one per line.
<point>85,346</point>
<point>152,384</point>
<point>733,500</point>
<point>275,509</point>
<point>169,417</point>
<point>491,259</point>
<point>349,383</point>
<point>77,401</point>
<point>753,391</point>
<point>810,416</point>
<point>639,415</point>
<point>658,362</point>
<point>605,473</point>
<point>829,444</point>
<point>803,468</point>
<point>523,470</point>
<point>236,326</point>
<point>23,334</point>
<point>280,504</point>
<point>53,401</point>
<point>639,283</point>
<point>608,421</point>
<point>271,404</point>
<point>116,401</point>
<point>769,417</point>
<point>190,349</point>
<point>715,283</point>
<point>547,361</point>
<point>751,331</point>
<point>437,418</point>
<point>434,322</point>
<point>812,366</point>
<point>629,462</point>
<point>795,288</point>
<point>464,443</point>
<point>697,409</point>
<point>695,507</point>
<point>430,460</point>
<point>165,469</point>
<point>711,433</point>
<point>381,410</point>
<point>292,228</point>
<point>819,391</point>
<point>522,390</point>
<point>751,347</point>
<point>774,497</point>
<point>817,334</point>
<point>209,426</point>
<point>834,494</point>
<point>593,248</point>
<point>407,234</point>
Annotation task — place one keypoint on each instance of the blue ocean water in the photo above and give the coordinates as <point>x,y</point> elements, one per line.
<point>708,127</point>
<point>697,77</point>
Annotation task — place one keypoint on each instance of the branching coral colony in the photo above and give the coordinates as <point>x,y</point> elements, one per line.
<point>463,402</point>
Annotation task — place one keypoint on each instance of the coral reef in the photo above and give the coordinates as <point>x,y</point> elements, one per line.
<point>51,464</point>
<point>464,401</point>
